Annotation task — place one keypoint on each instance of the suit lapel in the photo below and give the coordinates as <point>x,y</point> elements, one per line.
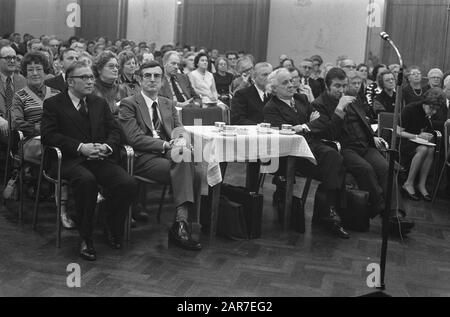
<point>166,90</point>
<point>142,106</point>
<point>70,111</point>
<point>288,114</point>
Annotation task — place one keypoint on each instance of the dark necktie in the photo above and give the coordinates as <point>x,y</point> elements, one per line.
<point>9,93</point>
<point>83,108</point>
<point>155,120</point>
<point>266,98</point>
<point>177,91</point>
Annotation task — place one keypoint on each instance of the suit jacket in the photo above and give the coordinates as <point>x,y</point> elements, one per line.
<point>277,112</point>
<point>57,83</point>
<point>134,117</point>
<point>331,126</point>
<point>317,86</point>
<point>19,82</point>
<point>247,107</point>
<point>183,82</point>
<point>64,127</point>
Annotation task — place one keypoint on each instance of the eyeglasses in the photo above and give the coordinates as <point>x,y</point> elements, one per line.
<point>150,75</point>
<point>349,66</point>
<point>9,58</point>
<point>307,67</point>
<point>436,77</point>
<point>112,66</point>
<point>37,69</point>
<point>415,73</point>
<point>84,77</point>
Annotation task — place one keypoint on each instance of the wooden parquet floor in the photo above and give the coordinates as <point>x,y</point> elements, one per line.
<point>281,263</point>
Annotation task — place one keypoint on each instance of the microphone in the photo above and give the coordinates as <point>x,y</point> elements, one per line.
<point>384,36</point>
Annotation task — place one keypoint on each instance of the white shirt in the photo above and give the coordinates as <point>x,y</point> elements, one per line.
<point>149,102</point>
<point>75,100</point>
<point>260,93</point>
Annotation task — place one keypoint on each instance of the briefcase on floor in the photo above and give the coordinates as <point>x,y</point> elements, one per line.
<point>231,221</point>
<point>253,206</point>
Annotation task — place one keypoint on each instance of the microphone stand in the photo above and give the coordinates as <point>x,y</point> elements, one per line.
<point>392,155</point>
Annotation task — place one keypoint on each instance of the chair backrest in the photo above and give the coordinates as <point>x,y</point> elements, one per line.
<point>385,126</point>
<point>447,140</point>
<point>207,115</point>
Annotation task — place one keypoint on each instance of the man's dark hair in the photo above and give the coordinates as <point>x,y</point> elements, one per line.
<point>334,73</point>
<point>231,53</point>
<point>64,52</point>
<point>33,57</point>
<point>197,58</point>
<point>375,70</point>
<point>150,64</point>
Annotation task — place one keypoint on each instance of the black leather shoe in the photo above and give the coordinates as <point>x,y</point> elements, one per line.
<point>426,197</point>
<point>180,236</point>
<point>331,218</point>
<point>87,251</point>
<point>139,214</point>
<point>339,231</point>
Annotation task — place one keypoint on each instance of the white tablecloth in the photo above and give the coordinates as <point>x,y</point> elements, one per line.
<point>213,148</point>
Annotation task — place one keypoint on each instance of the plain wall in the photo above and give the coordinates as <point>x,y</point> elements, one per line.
<point>39,17</point>
<point>330,28</point>
<point>152,21</point>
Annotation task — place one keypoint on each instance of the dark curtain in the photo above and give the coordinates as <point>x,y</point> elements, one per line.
<point>7,15</point>
<point>420,29</point>
<point>226,25</point>
<point>103,18</point>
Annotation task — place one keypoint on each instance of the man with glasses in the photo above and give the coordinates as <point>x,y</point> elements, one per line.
<point>177,86</point>
<point>435,77</point>
<point>306,69</point>
<point>66,58</point>
<point>287,107</point>
<point>347,65</point>
<point>244,68</point>
<point>82,126</point>
<point>10,82</point>
<point>152,127</point>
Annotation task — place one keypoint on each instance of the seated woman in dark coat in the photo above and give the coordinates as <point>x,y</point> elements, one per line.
<point>385,101</point>
<point>416,126</point>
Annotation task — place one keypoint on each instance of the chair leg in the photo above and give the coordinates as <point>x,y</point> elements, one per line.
<point>128,225</point>
<point>7,163</point>
<point>161,202</point>
<point>306,190</point>
<point>21,194</point>
<point>36,201</point>
<point>436,189</point>
<point>58,214</point>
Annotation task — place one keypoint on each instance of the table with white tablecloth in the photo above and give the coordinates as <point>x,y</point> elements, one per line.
<point>212,147</point>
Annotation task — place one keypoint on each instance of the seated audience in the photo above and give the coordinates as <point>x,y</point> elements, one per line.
<point>66,58</point>
<point>154,135</point>
<point>82,126</point>
<point>223,79</point>
<point>129,84</point>
<point>306,68</point>
<point>106,71</point>
<point>232,59</point>
<point>385,100</point>
<point>188,63</point>
<point>244,68</point>
<point>300,88</point>
<point>247,104</point>
<point>286,107</point>
<point>413,91</point>
<point>415,125</point>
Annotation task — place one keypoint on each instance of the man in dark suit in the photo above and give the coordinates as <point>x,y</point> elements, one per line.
<point>153,129</point>
<point>286,107</point>
<point>82,126</point>
<point>10,82</point>
<point>342,118</point>
<point>176,86</point>
<point>247,104</point>
<point>66,58</point>
<point>306,68</point>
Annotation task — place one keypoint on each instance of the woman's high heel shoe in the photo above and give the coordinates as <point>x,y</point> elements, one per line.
<point>412,196</point>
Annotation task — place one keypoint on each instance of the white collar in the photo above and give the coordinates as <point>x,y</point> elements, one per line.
<point>149,101</point>
<point>260,92</point>
<point>75,100</point>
